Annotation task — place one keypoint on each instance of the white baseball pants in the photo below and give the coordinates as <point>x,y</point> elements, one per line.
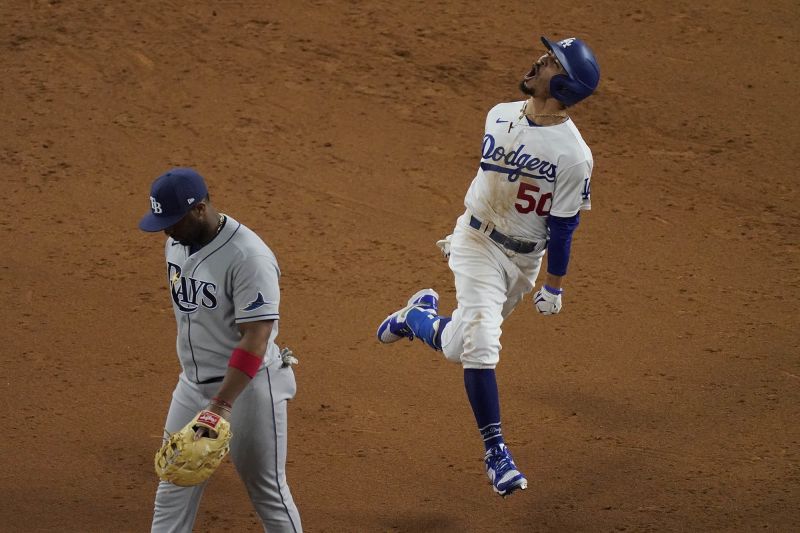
<point>490,282</point>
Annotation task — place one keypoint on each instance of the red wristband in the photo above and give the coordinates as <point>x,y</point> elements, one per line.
<point>245,361</point>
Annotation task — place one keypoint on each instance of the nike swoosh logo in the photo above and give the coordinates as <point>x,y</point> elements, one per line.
<point>501,121</point>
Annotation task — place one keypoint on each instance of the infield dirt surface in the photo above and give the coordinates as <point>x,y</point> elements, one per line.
<point>665,395</point>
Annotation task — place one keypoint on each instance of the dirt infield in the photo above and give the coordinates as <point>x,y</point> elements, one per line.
<point>663,398</point>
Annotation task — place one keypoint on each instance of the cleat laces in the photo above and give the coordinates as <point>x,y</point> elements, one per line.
<point>502,463</point>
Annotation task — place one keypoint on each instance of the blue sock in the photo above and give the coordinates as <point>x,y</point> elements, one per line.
<point>427,327</point>
<point>484,398</point>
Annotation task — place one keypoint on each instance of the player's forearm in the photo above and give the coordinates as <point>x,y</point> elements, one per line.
<point>237,379</point>
<point>254,342</point>
<point>558,249</point>
<point>244,363</point>
<point>551,280</point>
<point>233,384</point>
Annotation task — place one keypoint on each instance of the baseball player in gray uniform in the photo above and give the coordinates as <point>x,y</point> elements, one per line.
<point>223,282</point>
<point>531,184</point>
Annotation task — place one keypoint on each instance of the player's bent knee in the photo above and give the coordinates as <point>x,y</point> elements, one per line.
<point>453,339</point>
<point>452,352</point>
<point>483,339</point>
<point>481,346</point>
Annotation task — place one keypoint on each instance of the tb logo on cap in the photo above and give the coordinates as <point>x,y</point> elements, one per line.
<point>155,206</point>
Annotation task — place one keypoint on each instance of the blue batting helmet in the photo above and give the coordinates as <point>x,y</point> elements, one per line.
<point>583,73</point>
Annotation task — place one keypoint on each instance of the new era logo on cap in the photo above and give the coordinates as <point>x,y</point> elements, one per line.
<point>172,195</point>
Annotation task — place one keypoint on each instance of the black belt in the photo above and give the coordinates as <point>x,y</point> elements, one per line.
<point>515,245</point>
<point>211,380</point>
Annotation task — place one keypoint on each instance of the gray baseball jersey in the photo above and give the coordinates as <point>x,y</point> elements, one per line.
<point>231,280</point>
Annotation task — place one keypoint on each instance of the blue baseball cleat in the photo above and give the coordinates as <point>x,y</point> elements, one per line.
<point>503,472</point>
<point>394,327</point>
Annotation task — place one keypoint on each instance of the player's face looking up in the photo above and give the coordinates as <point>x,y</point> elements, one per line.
<point>537,80</point>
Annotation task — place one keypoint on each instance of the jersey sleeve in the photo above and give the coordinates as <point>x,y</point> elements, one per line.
<point>256,293</point>
<point>491,117</point>
<point>572,192</point>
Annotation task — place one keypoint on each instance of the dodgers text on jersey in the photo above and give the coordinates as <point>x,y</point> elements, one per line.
<point>520,162</point>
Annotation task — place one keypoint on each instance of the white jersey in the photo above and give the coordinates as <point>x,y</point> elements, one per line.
<point>231,280</point>
<point>529,172</point>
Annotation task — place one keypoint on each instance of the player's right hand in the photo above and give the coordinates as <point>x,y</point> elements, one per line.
<point>444,246</point>
<point>546,302</point>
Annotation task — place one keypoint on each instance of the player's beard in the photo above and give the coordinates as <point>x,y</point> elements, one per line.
<point>525,89</point>
<point>190,236</point>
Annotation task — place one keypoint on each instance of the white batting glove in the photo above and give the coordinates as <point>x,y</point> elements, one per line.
<point>548,300</point>
<point>444,246</point>
<point>288,358</point>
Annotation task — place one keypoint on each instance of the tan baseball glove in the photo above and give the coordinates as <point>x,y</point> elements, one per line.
<point>184,461</point>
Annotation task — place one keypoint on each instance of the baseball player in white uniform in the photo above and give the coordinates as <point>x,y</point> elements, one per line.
<point>223,282</point>
<point>532,182</point>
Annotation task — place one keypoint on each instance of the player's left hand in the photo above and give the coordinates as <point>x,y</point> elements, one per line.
<point>203,431</point>
<point>185,459</point>
<point>288,358</point>
<point>546,302</point>
<point>444,246</point>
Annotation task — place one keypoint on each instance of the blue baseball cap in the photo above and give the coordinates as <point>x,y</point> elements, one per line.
<point>172,195</point>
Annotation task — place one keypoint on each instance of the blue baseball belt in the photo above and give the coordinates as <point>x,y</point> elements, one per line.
<point>515,245</point>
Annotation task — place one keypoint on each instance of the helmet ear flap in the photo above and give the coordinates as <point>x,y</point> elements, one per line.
<point>561,89</point>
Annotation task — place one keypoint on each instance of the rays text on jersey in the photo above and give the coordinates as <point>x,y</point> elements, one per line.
<point>189,294</point>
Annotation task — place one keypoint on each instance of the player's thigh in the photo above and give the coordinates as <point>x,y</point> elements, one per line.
<point>480,278</point>
<point>186,402</point>
<point>259,421</point>
<point>481,286</point>
<point>521,276</point>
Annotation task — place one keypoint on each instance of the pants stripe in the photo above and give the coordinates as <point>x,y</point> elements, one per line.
<point>275,433</point>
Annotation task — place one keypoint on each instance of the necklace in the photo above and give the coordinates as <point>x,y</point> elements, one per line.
<point>220,223</point>
<point>524,113</point>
